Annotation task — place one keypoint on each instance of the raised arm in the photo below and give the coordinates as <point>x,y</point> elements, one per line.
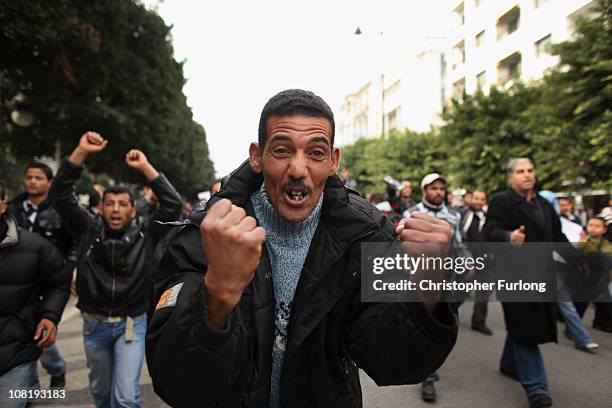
<point>62,191</point>
<point>170,203</point>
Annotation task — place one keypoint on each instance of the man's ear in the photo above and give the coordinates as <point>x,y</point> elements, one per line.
<point>133,214</point>
<point>255,158</point>
<point>335,158</point>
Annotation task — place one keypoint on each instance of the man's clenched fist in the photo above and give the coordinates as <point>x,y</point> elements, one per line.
<point>92,142</point>
<point>434,234</point>
<point>232,242</point>
<point>137,160</point>
<point>422,234</point>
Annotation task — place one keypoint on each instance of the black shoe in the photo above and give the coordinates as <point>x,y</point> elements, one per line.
<point>58,381</point>
<point>509,373</point>
<point>481,328</point>
<point>539,401</point>
<point>428,392</point>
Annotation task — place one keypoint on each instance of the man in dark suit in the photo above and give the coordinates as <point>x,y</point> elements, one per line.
<point>472,222</point>
<point>520,215</point>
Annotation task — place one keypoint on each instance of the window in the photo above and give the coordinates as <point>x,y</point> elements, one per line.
<point>509,68</point>
<point>459,89</point>
<point>481,79</point>
<point>508,23</point>
<point>539,3</point>
<point>393,119</point>
<point>480,38</point>
<point>460,14</point>
<point>459,54</point>
<point>542,46</point>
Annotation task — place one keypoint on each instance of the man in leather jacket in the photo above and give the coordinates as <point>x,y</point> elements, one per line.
<point>115,270</point>
<point>261,302</point>
<point>33,212</point>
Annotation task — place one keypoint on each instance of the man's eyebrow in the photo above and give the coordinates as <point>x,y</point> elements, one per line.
<point>280,138</point>
<point>317,139</point>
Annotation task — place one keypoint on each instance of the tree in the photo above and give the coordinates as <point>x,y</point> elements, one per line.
<point>408,155</point>
<point>483,132</point>
<point>574,118</point>
<point>106,66</point>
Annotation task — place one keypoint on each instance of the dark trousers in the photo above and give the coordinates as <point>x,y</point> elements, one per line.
<point>603,312</point>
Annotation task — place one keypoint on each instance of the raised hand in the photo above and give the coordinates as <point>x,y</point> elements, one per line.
<point>232,242</point>
<point>422,234</point>
<point>90,142</point>
<point>137,160</point>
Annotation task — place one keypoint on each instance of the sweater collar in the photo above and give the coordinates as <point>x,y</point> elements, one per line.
<point>270,219</point>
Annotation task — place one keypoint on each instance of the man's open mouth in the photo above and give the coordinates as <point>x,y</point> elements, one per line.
<point>296,196</point>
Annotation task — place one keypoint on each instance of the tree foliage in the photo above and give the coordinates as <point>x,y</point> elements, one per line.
<point>106,66</point>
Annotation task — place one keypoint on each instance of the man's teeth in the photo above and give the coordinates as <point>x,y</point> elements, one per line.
<point>296,195</point>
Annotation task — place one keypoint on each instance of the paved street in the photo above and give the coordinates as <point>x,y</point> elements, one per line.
<point>468,379</point>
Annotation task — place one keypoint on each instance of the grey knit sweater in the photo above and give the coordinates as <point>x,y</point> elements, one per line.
<point>287,245</point>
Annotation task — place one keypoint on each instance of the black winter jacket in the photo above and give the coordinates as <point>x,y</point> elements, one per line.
<point>48,223</point>
<point>330,334</point>
<point>527,322</point>
<point>33,286</point>
<point>114,270</point>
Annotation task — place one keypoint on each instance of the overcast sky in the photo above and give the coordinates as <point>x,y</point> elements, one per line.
<point>240,53</point>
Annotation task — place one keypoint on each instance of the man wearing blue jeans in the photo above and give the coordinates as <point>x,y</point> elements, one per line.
<point>114,271</point>
<point>110,355</point>
<point>517,216</point>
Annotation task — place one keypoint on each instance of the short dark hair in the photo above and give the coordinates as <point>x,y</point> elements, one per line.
<point>600,218</point>
<point>45,169</point>
<point>568,198</point>
<point>94,198</point>
<point>294,102</point>
<point>2,192</point>
<point>119,189</point>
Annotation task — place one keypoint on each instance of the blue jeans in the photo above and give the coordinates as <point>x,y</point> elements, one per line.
<point>526,362</point>
<point>52,361</point>
<point>577,332</point>
<point>20,377</point>
<point>114,364</point>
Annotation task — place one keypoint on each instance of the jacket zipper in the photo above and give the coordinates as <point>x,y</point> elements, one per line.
<point>110,312</point>
<point>340,255</point>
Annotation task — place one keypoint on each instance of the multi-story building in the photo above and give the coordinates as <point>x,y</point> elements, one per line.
<point>410,95</point>
<point>494,42</point>
<point>491,42</point>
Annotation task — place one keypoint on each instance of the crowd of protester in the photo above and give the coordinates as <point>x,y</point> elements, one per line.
<point>102,248</point>
<point>469,217</point>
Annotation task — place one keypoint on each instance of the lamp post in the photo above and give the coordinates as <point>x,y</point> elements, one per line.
<point>358,31</point>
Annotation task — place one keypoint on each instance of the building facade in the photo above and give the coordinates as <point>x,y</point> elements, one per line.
<point>490,43</point>
<point>496,42</point>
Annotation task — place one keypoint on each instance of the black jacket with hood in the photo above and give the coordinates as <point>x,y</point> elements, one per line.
<point>330,334</point>
<point>33,285</point>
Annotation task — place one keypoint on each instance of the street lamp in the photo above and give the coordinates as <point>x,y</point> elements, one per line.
<point>382,89</point>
